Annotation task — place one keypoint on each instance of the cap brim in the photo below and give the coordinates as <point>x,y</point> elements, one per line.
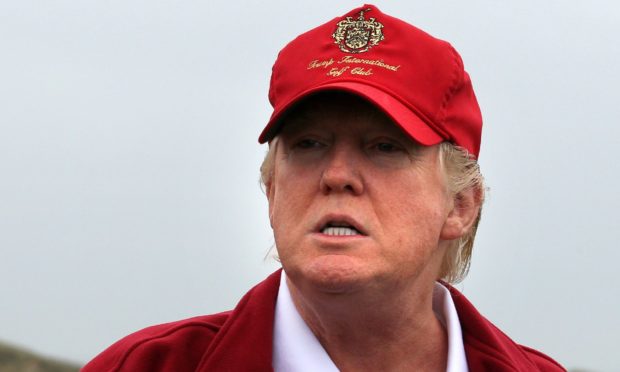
<point>410,122</point>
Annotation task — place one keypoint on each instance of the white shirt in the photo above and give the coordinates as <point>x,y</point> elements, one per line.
<point>296,349</point>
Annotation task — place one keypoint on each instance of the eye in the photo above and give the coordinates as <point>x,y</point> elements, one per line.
<point>308,143</point>
<point>386,147</point>
<point>388,152</point>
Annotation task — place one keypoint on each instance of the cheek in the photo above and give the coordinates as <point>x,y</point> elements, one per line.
<point>288,207</point>
<point>288,198</point>
<point>412,215</point>
<point>293,183</point>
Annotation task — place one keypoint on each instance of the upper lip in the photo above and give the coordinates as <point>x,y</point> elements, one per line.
<point>339,219</point>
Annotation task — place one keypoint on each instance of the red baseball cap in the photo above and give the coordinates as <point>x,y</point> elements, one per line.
<point>417,80</point>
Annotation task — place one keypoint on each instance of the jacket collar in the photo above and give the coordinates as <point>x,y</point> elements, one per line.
<point>486,346</point>
<point>245,341</point>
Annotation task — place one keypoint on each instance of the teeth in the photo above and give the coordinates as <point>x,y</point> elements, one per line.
<point>333,230</point>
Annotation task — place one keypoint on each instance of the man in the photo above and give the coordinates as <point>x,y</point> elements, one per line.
<point>374,197</point>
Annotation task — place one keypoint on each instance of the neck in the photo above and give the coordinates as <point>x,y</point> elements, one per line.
<point>395,331</point>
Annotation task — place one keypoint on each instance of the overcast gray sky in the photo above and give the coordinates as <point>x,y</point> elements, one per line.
<point>129,163</point>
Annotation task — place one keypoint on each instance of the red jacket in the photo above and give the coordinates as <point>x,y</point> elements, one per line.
<point>241,340</point>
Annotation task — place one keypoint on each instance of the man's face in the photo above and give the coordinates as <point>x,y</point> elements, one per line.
<point>354,203</point>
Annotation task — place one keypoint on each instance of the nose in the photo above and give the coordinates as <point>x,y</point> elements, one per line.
<point>341,173</point>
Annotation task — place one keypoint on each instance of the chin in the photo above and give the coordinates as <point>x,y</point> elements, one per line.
<point>334,274</point>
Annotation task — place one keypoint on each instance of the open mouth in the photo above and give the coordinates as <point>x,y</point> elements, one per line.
<point>340,229</point>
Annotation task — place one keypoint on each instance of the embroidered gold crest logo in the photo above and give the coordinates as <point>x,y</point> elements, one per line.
<point>358,35</point>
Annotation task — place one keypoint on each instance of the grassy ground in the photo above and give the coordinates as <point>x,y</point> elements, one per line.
<point>14,359</point>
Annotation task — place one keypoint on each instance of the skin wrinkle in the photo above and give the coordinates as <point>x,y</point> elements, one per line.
<point>368,301</point>
<point>370,340</point>
<point>463,180</point>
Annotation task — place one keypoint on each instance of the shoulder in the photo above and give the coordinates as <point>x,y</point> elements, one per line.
<point>179,344</point>
<point>236,340</point>
<point>489,348</point>
<point>543,361</point>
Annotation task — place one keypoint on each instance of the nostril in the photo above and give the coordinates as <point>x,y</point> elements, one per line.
<point>341,174</point>
<point>341,180</point>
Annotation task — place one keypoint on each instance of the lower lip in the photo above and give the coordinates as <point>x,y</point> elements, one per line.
<point>321,236</point>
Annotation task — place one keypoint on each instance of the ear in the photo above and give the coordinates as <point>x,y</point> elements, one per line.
<point>463,215</point>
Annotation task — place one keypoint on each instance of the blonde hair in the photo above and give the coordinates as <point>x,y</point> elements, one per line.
<point>462,173</point>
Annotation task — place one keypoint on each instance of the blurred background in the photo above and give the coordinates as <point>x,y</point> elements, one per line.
<point>129,191</point>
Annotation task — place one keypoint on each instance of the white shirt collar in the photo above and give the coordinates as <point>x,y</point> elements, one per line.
<point>444,309</point>
<point>296,349</point>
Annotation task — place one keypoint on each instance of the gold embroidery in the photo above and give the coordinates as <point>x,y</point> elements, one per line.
<point>317,64</point>
<point>374,62</point>
<point>335,71</point>
<point>361,71</point>
<point>357,36</point>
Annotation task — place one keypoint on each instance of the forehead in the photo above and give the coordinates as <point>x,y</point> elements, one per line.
<point>332,109</point>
